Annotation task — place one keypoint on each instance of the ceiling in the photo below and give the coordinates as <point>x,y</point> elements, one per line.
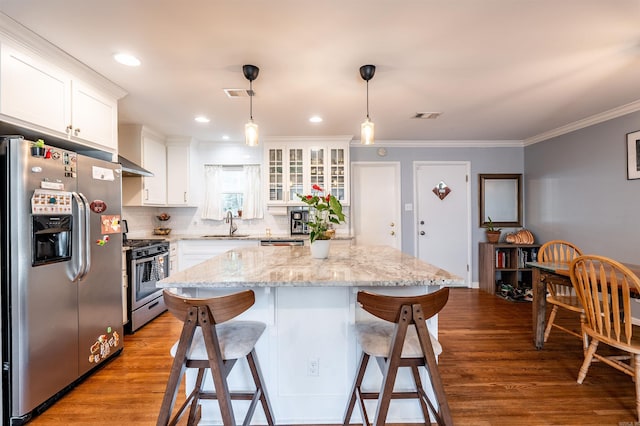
<point>497,70</point>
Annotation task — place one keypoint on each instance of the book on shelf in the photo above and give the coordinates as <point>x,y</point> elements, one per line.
<point>502,259</point>
<point>523,256</point>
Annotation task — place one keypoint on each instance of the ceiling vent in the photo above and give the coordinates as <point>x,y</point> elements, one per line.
<point>426,115</point>
<point>239,93</point>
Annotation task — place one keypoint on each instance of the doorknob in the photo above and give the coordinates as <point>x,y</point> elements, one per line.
<point>422,233</point>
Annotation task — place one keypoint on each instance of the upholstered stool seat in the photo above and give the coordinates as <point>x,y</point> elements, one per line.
<point>237,339</point>
<point>375,338</point>
<point>210,342</point>
<point>400,340</point>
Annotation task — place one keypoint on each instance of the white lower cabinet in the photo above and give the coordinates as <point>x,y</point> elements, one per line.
<point>192,252</point>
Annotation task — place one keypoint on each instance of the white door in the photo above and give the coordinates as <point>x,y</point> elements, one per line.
<point>375,203</point>
<point>443,220</point>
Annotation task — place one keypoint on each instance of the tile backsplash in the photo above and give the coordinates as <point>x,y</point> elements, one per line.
<point>187,220</point>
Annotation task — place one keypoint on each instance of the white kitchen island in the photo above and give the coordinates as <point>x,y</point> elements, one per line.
<point>309,353</point>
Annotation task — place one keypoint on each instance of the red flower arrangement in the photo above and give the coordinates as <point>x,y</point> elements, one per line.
<point>324,209</point>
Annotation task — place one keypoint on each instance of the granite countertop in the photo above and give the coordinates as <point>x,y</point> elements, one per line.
<point>346,266</point>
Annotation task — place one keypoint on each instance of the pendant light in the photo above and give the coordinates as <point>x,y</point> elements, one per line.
<point>250,129</point>
<point>366,129</point>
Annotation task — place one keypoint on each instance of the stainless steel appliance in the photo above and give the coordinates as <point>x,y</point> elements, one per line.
<point>282,243</point>
<point>299,219</point>
<point>147,263</point>
<point>61,282</point>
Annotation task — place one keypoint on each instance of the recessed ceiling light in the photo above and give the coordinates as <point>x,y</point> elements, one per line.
<point>315,119</point>
<point>126,59</point>
<point>202,119</point>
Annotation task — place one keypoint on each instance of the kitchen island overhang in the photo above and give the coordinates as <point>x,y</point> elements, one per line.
<point>347,266</point>
<point>309,351</point>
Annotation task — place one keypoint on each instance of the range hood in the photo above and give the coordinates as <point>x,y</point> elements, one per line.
<point>129,168</point>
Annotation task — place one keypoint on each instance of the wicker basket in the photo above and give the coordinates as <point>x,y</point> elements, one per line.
<point>161,231</point>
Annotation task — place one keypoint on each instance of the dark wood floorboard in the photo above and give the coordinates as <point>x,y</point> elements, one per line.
<point>490,369</point>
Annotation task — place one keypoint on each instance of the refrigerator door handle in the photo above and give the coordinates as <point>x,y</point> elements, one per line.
<point>86,235</point>
<point>79,231</point>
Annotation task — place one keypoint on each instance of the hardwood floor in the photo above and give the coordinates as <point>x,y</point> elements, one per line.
<point>491,371</point>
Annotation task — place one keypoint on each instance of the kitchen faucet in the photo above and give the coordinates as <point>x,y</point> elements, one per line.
<point>232,226</point>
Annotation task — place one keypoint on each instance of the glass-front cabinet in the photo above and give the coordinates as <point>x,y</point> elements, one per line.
<point>296,164</point>
<point>275,181</point>
<point>296,173</point>
<point>339,171</point>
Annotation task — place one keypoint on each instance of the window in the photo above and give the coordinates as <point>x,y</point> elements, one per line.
<point>233,183</point>
<point>232,188</point>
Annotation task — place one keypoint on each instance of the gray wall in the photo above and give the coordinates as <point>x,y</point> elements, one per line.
<point>483,160</point>
<point>576,189</point>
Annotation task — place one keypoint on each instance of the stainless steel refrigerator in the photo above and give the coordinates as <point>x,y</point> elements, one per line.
<point>61,251</point>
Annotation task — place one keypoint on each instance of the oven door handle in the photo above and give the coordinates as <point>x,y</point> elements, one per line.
<point>151,258</point>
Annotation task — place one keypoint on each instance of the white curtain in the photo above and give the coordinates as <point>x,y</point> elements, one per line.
<point>252,194</point>
<point>213,192</point>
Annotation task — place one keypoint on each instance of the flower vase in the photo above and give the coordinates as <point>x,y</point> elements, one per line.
<point>320,249</point>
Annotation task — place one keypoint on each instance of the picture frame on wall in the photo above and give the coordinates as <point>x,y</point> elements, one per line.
<point>633,155</point>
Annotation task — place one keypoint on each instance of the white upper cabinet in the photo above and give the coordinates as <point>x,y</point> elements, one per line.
<point>39,94</point>
<point>154,159</point>
<point>94,116</point>
<point>179,189</point>
<point>294,165</point>
<point>34,91</point>
<point>146,148</point>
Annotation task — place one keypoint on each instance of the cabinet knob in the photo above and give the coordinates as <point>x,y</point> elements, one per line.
<point>422,222</point>
<point>392,233</point>
<point>69,128</point>
<point>76,131</point>
<point>392,224</point>
<point>422,233</point>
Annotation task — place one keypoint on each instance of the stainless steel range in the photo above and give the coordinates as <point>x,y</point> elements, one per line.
<point>147,263</point>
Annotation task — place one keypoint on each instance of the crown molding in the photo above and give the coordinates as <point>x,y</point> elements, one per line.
<point>310,139</point>
<point>442,144</point>
<point>586,122</point>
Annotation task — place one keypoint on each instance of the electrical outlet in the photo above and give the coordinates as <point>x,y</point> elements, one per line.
<point>313,367</point>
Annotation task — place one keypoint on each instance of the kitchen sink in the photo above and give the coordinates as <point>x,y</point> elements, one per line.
<point>225,236</point>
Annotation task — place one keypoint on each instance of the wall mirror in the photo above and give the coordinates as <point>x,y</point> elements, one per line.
<point>500,197</point>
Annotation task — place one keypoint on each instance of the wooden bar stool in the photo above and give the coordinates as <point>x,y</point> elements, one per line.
<point>395,344</point>
<point>208,342</point>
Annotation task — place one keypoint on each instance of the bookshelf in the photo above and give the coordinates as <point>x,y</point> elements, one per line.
<point>505,262</point>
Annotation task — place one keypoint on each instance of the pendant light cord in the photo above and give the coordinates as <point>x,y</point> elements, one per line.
<point>251,99</point>
<point>367,99</point>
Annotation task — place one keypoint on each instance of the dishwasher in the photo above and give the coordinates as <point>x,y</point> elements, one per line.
<point>281,243</point>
